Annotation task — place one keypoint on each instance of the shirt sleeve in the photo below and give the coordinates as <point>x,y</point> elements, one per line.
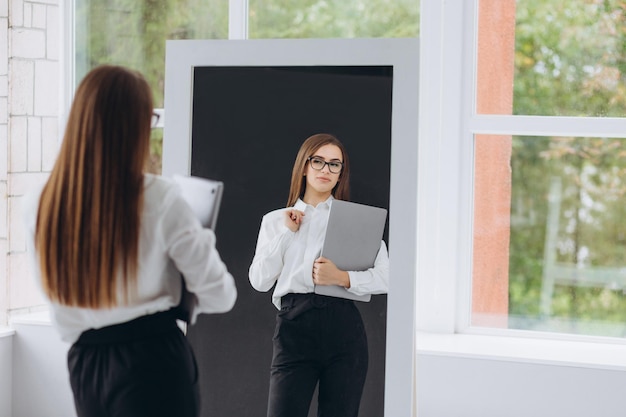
<point>267,264</point>
<point>374,280</point>
<point>192,249</point>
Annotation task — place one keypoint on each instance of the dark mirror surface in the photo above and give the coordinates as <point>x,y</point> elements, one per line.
<point>247,126</point>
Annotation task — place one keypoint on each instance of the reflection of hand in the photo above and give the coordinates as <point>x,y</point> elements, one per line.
<point>293,219</point>
<point>325,272</point>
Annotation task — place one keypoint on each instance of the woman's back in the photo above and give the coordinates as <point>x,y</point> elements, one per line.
<point>170,238</point>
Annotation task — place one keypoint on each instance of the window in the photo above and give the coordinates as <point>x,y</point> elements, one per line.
<point>279,19</point>
<point>133,33</point>
<point>548,240</point>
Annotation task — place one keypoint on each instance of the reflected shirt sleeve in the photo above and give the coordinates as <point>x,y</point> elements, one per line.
<point>268,262</point>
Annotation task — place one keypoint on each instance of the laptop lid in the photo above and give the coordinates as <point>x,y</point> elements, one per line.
<point>352,241</point>
<point>203,195</point>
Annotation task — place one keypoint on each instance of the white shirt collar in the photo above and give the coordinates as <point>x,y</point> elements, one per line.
<point>302,206</point>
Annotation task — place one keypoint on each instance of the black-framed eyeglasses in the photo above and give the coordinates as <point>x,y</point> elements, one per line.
<point>155,120</point>
<point>318,164</point>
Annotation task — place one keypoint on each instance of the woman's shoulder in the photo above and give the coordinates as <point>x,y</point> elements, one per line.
<point>159,183</point>
<point>275,214</point>
<point>274,221</point>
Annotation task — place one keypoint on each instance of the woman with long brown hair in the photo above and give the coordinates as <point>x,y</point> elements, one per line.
<point>318,339</point>
<point>109,245</point>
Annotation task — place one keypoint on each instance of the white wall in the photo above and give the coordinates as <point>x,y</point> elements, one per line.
<point>465,387</point>
<point>448,385</point>
<point>6,370</point>
<point>40,378</point>
<point>29,109</point>
<point>4,151</point>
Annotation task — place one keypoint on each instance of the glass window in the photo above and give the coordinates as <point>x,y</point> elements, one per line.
<point>133,33</point>
<point>549,237</point>
<point>549,245</point>
<point>275,19</point>
<point>552,58</point>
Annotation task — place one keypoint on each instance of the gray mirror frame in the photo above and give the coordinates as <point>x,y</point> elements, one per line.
<point>403,54</point>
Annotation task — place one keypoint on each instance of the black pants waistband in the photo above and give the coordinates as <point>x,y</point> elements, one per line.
<point>316,300</point>
<point>293,305</point>
<point>139,328</point>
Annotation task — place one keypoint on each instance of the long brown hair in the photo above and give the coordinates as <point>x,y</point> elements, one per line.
<point>307,149</point>
<point>88,223</point>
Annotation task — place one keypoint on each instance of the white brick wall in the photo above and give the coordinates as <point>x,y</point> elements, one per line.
<point>29,109</point>
<point>46,88</point>
<point>28,43</point>
<point>4,159</point>
<point>49,142</point>
<point>21,86</point>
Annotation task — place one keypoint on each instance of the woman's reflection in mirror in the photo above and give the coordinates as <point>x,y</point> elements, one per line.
<point>318,339</point>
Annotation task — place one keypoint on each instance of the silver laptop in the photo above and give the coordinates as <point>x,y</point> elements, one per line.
<point>352,241</point>
<point>203,195</point>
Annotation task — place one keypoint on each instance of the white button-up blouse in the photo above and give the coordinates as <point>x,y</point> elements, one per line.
<point>285,258</point>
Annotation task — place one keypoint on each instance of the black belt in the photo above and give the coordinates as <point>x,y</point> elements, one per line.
<point>139,328</point>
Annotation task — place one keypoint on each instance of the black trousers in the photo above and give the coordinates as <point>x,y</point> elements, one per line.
<point>318,340</point>
<point>144,367</point>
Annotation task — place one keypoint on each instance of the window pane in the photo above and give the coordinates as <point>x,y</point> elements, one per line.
<point>133,33</point>
<point>538,57</point>
<point>276,19</point>
<point>549,235</point>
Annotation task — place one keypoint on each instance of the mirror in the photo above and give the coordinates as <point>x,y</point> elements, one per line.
<point>237,111</point>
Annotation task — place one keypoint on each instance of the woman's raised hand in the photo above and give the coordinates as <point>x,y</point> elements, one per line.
<point>293,219</point>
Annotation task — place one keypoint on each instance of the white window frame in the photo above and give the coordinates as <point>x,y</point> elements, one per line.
<point>445,201</point>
